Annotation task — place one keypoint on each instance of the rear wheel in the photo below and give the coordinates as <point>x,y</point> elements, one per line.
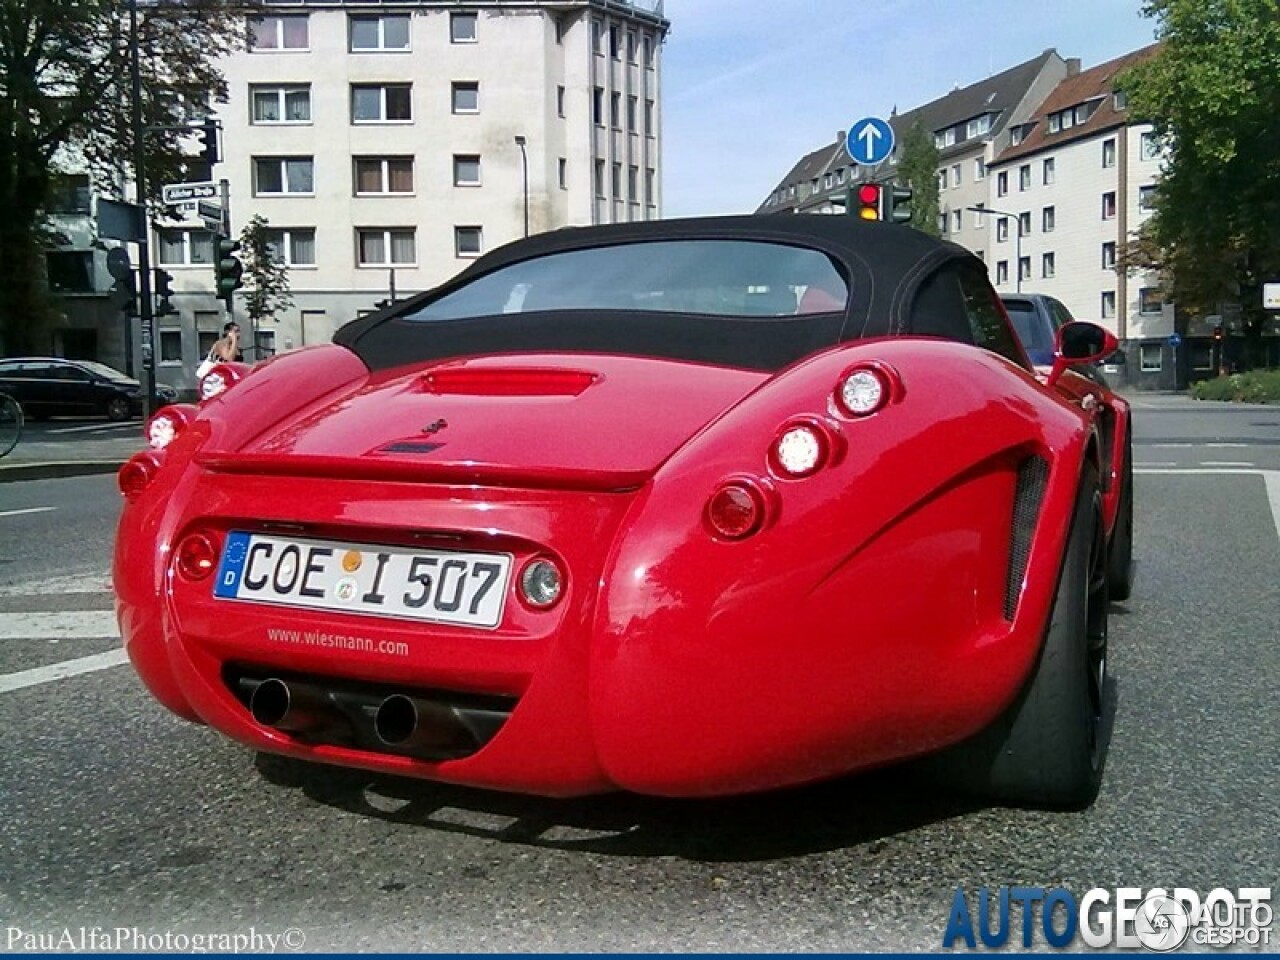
<point>1049,747</point>
<point>10,423</point>
<point>117,409</point>
<point>1120,554</point>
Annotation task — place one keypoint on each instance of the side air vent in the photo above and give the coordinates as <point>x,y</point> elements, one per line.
<point>1033,473</point>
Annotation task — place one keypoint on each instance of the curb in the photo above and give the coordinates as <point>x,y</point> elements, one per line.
<point>51,470</point>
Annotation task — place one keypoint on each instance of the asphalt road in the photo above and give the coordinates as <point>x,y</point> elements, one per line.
<point>119,815</point>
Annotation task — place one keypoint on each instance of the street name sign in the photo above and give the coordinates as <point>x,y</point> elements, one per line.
<point>869,141</point>
<point>1271,296</point>
<point>174,193</point>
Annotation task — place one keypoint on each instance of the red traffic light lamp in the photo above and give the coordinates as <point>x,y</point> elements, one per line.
<point>868,196</point>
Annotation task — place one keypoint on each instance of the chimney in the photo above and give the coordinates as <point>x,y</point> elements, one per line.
<point>840,135</point>
<point>1073,66</point>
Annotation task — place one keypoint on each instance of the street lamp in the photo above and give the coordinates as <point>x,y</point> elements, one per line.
<point>524,164</point>
<point>1017,252</point>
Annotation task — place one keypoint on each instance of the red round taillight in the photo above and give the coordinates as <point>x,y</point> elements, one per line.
<point>136,474</point>
<point>219,380</point>
<point>866,388</point>
<point>163,428</point>
<point>735,510</point>
<point>197,556</point>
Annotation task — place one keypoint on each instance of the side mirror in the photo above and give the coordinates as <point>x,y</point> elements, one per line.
<point>1080,343</point>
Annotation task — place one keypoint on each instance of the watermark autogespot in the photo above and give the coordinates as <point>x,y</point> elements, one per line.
<point>137,940</point>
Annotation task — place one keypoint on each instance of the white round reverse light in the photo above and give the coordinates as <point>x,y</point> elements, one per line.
<point>863,392</point>
<point>800,450</point>
<point>161,431</point>
<point>540,583</point>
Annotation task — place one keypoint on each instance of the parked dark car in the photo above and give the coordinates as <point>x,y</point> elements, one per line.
<point>53,387</point>
<point>1036,318</point>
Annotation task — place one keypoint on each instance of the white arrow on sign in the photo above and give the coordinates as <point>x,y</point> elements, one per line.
<point>869,135</point>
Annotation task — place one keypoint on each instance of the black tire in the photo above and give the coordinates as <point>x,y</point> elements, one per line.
<point>1049,747</point>
<point>1120,567</point>
<point>117,409</point>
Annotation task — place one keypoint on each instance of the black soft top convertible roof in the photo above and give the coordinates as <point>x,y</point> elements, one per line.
<point>884,265</point>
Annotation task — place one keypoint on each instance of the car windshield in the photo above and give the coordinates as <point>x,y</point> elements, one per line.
<point>710,277</point>
<point>109,373</point>
<point>1035,334</point>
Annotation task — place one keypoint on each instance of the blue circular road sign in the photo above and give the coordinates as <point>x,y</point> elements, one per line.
<point>1174,340</point>
<point>869,141</point>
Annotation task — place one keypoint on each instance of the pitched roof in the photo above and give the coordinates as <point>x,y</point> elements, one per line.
<point>1096,83</point>
<point>997,94</point>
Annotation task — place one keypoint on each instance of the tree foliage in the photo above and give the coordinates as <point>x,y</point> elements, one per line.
<point>918,169</point>
<point>1212,92</point>
<point>66,98</point>
<point>266,275</point>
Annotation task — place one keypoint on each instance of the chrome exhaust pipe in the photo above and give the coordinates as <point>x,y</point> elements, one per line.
<point>297,708</point>
<point>409,723</point>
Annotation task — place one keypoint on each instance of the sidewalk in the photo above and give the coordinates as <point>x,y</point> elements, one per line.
<point>38,457</point>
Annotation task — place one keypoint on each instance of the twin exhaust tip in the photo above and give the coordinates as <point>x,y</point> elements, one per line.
<point>400,722</point>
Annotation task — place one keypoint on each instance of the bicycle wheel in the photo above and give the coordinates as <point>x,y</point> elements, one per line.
<point>10,423</point>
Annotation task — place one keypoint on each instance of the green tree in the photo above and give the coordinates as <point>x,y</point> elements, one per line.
<point>266,276</point>
<point>1212,92</point>
<point>918,169</point>
<point>66,98</point>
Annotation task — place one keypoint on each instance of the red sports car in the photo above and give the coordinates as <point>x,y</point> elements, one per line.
<point>686,507</point>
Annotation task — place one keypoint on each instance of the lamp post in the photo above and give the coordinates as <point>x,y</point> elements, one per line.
<point>145,316</point>
<point>1017,252</point>
<point>524,165</point>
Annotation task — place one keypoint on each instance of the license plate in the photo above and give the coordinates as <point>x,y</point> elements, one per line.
<point>443,586</point>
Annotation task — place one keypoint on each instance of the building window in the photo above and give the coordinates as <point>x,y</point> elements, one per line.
<point>596,34</point>
<point>1150,357</point>
<point>957,220</point>
<point>294,246</point>
<point>1146,198</point>
<point>281,175</point>
<point>1109,255</point>
<point>383,247</point>
<point>1109,152</point>
<point>69,271</point>
<point>1024,268</point>
<point>1150,147</point>
<point>462,27</point>
<point>1002,271</point>
<point>615,111</point>
<point>1048,172</point>
<point>564,173</point>
<point>70,194</point>
<point>633,109</point>
<point>616,181</point>
<point>291,104</point>
<point>1024,177</point>
<point>279,33</point>
<point>633,183</point>
<point>1046,265</point>
<point>1002,183</point>
<point>650,190</point>
<point>466,170</point>
<point>978,126</point>
<point>381,102</point>
<point>382,175</point>
<point>1016,135</point>
<point>1109,205</point>
<point>631,46</point>
<point>1002,230</point>
<point>647,45</point>
<point>1048,219</point>
<point>1108,304</point>
<point>468,241</point>
<point>955,174</point>
<point>648,118</point>
<point>597,106</point>
<point>386,32</point>
<point>180,248</point>
<point>466,97</point>
<point>979,220</point>
<point>1121,100</point>
<point>1024,224</point>
<point>1150,300</point>
<point>599,178</point>
<point>979,169</point>
<point>942,179</point>
<point>615,49</point>
<point>560,101</point>
<point>171,346</point>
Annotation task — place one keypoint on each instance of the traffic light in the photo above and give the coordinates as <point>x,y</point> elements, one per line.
<point>868,196</point>
<point>209,137</point>
<point>1217,333</point>
<point>164,290</point>
<point>124,293</point>
<point>227,268</point>
<point>896,204</point>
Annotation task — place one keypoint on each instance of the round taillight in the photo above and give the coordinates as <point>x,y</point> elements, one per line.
<point>136,475</point>
<point>541,583</point>
<point>800,450</point>
<point>217,381</point>
<point>863,391</point>
<point>197,556</point>
<point>735,511</point>
<point>163,428</point>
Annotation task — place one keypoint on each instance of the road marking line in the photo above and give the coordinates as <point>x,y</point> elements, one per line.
<point>1138,465</point>
<point>82,583</point>
<point>1174,446</point>
<point>1226,445</point>
<point>1270,477</point>
<point>61,671</point>
<point>1224,463</point>
<point>67,625</point>
<point>18,513</point>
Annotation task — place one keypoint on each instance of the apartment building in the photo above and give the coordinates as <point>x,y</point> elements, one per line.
<point>1074,185</point>
<point>970,127</point>
<point>389,143</point>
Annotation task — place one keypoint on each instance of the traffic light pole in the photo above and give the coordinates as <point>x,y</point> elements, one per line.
<point>145,314</point>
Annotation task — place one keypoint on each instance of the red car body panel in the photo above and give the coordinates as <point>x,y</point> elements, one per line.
<point>888,605</point>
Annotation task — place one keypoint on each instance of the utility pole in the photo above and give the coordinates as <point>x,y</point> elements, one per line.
<point>145,313</point>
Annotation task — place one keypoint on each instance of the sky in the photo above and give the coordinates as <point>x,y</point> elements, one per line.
<point>750,86</point>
